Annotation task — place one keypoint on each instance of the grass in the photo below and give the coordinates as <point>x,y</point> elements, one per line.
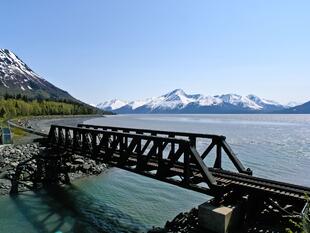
<point>16,132</point>
<point>3,122</point>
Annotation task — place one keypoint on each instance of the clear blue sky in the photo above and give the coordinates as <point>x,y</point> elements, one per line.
<point>133,49</point>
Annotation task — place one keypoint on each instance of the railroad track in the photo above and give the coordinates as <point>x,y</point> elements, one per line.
<point>142,152</point>
<point>262,185</point>
<point>237,181</point>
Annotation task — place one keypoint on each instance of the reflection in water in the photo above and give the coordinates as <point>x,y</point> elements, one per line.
<point>69,209</point>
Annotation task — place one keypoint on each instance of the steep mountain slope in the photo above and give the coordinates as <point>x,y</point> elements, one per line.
<point>178,101</point>
<point>17,78</point>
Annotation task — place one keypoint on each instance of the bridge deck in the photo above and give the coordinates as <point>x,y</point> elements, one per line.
<point>221,175</point>
<point>172,157</point>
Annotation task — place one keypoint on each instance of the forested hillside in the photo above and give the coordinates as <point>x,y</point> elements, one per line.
<point>14,106</point>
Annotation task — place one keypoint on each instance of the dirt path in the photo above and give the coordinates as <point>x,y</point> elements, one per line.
<point>44,124</point>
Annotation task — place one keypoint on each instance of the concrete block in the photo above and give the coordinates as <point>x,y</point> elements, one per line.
<point>218,219</point>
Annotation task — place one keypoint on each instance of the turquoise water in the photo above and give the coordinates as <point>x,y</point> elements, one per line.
<point>273,146</point>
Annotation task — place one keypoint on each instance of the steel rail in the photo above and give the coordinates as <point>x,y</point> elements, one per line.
<point>193,173</point>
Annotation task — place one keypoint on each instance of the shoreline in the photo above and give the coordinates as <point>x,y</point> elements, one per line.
<point>28,155</point>
<point>24,148</point>
<point>42,124</point>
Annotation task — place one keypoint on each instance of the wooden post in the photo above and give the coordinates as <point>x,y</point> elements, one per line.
<point>187,159</point>
<point>218,160</point>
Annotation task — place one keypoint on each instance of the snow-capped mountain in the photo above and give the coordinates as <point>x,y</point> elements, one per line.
<point>299,109</point>
<point>178,101</point>
<point>17,78</point>
<point>292,104</point>
<point>112,104</point>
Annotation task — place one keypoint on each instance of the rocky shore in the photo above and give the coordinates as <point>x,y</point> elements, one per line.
<point>183,223</point>
<point>188,223</point>
<point>12,155</point>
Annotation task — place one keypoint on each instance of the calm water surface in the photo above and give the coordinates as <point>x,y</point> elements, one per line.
<point>273,146</point>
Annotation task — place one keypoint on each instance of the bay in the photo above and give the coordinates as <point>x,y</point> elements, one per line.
<point>273,146</point>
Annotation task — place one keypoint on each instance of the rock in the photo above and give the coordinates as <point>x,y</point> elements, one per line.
<point>182,223</point>
<point>6,161</point>
<point>14,164</point>
<point>86,167</point>
<point>79,161</point>
<point>3,174</point>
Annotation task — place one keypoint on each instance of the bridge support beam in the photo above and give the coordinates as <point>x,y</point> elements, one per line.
<point>219,219</point>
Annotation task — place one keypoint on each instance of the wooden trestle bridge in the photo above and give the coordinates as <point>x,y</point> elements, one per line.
<point>182,159</point>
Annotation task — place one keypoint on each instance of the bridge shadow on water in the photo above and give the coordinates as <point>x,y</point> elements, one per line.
<point>70,209</point>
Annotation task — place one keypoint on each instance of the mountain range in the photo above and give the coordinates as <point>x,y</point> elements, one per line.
<point>17,78</point>
<point>177,101</point>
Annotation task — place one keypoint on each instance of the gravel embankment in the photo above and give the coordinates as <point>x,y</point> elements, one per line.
<point>12,155</point>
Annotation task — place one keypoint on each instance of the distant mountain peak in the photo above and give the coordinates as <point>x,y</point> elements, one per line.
<point>177,101</point>
<point>112,104</point>
<point>229,97</point>
<point>262,101</point>
<point>299,109</point>
<point>176,92</point>
<point>293,104</point>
